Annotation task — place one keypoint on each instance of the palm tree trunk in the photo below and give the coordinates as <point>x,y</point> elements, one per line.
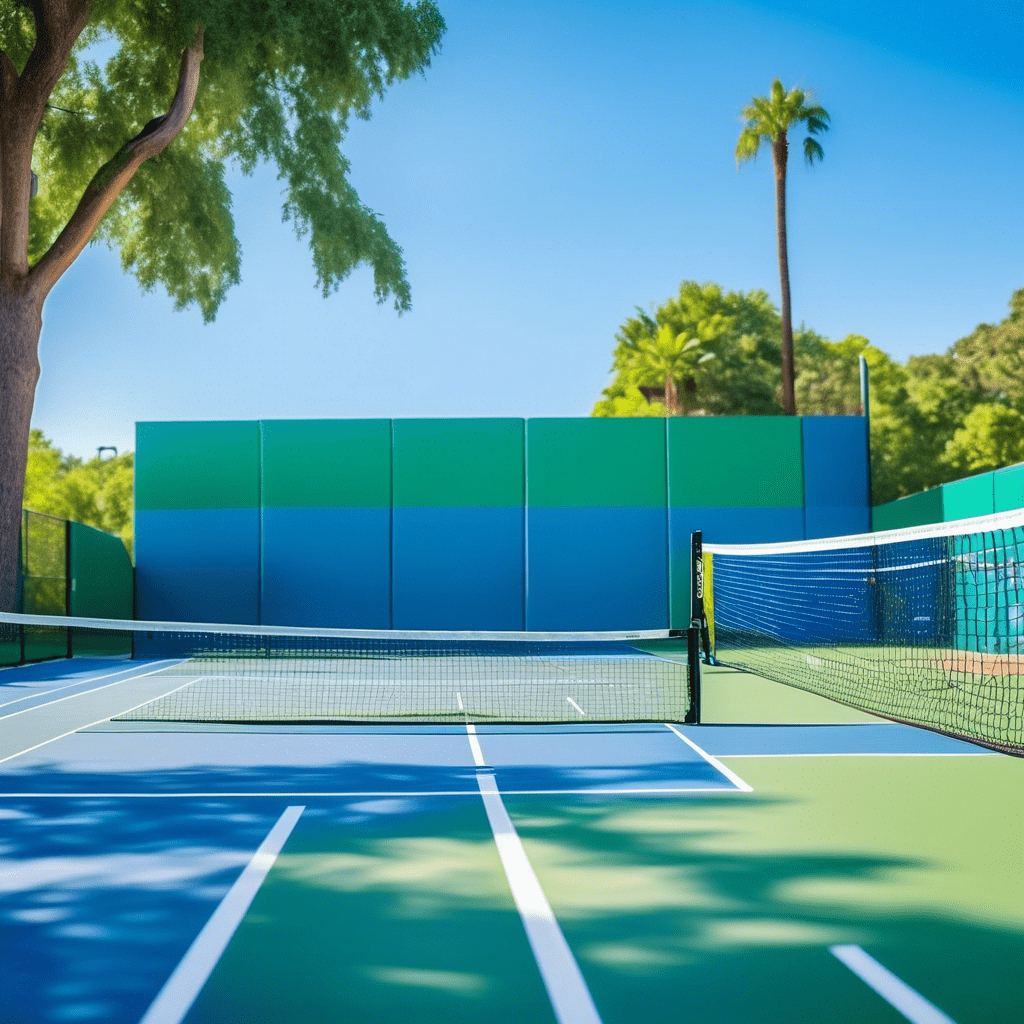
<point>20,326</point>
<point>671,396</point>
<point>780,150</point>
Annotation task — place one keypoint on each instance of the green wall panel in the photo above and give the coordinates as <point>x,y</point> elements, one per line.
<point>914,510</point>
<point>573,463</point>
<point>326,463</point>
<point>458,463</point>
<point>201,465</point>
<point>964,499</point>
<point>735,461</point>
<point>1008,488</point>
<point>101,575</point>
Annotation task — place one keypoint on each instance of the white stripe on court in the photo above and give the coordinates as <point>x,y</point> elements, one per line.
<point>175,999</point>
<point>713,761</point>
<point>160,666</point>
<point>89,725</point>
<point>890,753</point>
<point>567,990</point>
<point>896,992</point>
<point>474,745</point>
<point>576,706</point>
<point>67,686</point>
<point>458,697</point>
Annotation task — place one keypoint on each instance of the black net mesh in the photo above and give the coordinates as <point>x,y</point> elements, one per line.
<point>300,676</point>
<point>921,626</point>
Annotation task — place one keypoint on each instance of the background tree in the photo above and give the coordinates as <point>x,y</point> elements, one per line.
<point>97,492</point>
<point>274,81</point>
<point>741,329</point>
<point>770,119</point>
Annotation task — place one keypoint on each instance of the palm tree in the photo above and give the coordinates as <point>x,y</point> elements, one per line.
<point>664,355</point>
<point>769,119</point>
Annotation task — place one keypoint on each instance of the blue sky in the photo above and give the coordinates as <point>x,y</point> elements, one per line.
<point>562,162</point>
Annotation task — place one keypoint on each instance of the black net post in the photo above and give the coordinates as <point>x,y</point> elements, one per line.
<point>696,621</point>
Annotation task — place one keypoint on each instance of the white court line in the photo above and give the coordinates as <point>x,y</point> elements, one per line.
<point>107,718</point>
<point>474,745</point>
<point>67,686</point>
<point>175,999</point>
<point>891,753</point>
<point>634,791</point>
<point>896,992</point>
<point>567,990</point>
<point>458,697</point>
<point>713,761</point>
<point>95,689</point>
<point>576,706</point>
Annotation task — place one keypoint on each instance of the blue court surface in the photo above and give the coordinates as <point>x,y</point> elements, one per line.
<point>644,872</point>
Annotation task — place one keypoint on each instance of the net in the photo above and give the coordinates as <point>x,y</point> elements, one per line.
<point>266,674</point>
<point>923,625</point>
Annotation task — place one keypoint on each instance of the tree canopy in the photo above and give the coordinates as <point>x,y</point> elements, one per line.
<point>127,116</point>
<point>97,492</point>
<point>934,418</point>
<point>280,81</point>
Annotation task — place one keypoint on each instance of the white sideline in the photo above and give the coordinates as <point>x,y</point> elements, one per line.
<point>713,761</point>
<point>566,987</point>
<point>175,999</point>
<point>896,992</point>
<point>67,686</point>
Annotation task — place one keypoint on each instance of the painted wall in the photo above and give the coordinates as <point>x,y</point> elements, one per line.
<point>999,491</point>
<point>541,524</point>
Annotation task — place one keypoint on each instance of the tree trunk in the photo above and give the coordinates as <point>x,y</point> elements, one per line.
<point>780,150</point>
<point>20,326</point>
<point>671,401</point>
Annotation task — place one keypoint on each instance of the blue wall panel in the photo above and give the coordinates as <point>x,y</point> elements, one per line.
<point>457,568</point>
<point>836,482</point>
<point>327,567</point>
<point>730,525</point>
<point>197,565</point>
<point>597,568</point>
<point>721,525</point>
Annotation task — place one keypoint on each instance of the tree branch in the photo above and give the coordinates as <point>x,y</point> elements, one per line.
<point>111,179</point>
<point>59,23</point>
<point>8,86</point>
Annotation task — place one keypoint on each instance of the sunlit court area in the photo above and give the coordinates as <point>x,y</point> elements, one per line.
<point>521,519</point>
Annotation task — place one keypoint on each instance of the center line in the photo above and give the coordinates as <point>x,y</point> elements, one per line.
<point>896,992</point>
<point>566,988</point>
<point>175,999</point>
<point>576,706</point>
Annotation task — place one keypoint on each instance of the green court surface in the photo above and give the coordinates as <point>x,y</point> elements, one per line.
<point>408,920</point>
<point>727,901</point>
<point>725,910</point>
<point>732,697</point>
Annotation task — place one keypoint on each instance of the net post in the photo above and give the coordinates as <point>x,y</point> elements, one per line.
<point>693,658</point>
<point>696,620</point>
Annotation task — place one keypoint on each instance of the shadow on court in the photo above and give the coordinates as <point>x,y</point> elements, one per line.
<point>397,909</point>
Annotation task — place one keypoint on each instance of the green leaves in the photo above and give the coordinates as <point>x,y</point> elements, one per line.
<point>766,118</point>
<point>279,81</point>
<point>97,493</point>
<point>720,351</point>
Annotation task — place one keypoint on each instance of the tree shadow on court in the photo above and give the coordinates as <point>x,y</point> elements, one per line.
<point>395,908</point>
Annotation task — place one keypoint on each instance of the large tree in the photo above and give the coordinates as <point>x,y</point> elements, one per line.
<point>130,114</point>
<point>660,362</point>
<point>770,119</point>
